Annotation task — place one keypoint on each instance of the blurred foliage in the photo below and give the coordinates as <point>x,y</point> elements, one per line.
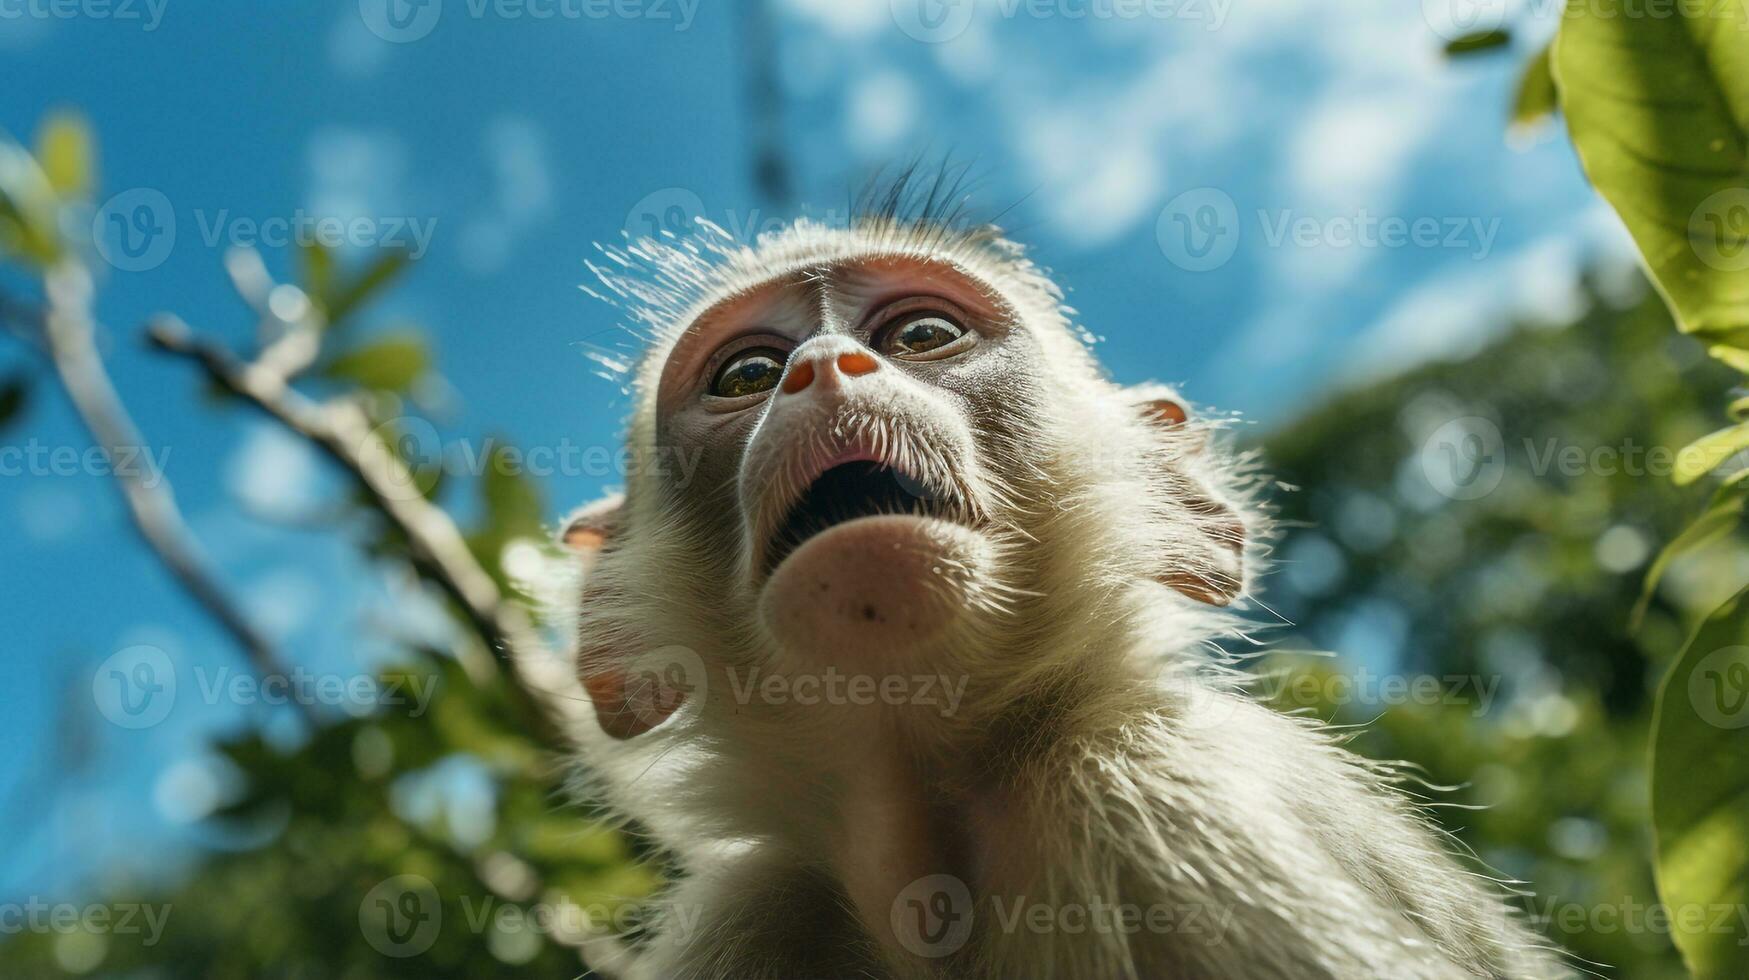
<point>1658,111</point>
<point>1529,587</point>
<point>429,836</point>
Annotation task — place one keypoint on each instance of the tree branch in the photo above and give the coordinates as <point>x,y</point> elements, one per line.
<point>343,430</point>
<point>68,331</point>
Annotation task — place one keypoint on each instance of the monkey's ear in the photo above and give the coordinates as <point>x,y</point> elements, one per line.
<point>588,528</point>
<point>624,706</point>
<point>1216,574</point>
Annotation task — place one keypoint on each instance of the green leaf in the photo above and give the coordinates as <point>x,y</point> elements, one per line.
<point>318,269</point>
<point>1721,517</point>
<point>1536,100</point>
<point>1700,795</point>
<point>67,152</point>
<point>14,395</point>
<point>1658,108</point>
<point>513,505</point>
<point>346,299</point>
<point>1709,452</point>
<point>29,210</point>
<point>391,363</point>
<point>1478,41</point>
<point>1736,357</point>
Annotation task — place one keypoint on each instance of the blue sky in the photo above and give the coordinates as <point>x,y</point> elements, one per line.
<point>1238,197</point>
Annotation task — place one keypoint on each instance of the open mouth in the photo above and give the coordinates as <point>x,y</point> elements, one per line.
<point>844,493</point>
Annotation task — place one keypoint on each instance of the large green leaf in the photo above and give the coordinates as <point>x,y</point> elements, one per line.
<point>1700,795</point>
<point>1710,452</point>
<point>1722,516</point>
<point>1657,101</point>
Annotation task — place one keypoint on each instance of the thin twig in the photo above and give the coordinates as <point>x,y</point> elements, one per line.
<point>69,332</point>
<point>346,434</point>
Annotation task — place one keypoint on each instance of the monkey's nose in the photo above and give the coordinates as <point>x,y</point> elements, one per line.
<point>848,363</point>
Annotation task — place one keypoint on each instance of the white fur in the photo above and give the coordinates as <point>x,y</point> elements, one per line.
<point>1104,756</point>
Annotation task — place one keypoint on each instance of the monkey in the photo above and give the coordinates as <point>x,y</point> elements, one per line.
<point>918,674</point>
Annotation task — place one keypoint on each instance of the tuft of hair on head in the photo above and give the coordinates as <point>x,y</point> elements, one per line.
<point>927,204</point>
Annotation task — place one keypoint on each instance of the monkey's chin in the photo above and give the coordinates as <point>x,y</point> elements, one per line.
<point>874,590</point>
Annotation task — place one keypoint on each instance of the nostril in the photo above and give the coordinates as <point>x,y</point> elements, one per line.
<point>799,377</point>
<point>856,362</point>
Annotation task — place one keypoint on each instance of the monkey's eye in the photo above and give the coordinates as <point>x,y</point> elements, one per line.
<point>749,373</point>
<point>919,333</point>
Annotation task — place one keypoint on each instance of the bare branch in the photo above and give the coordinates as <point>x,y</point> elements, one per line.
<point>345,433</point>
<point>68,330</point>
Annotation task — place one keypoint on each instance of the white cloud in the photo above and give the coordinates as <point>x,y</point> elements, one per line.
<point>273,472</point>
<point>521,193</point>
<point>883,109</point>
<point>847,19</point>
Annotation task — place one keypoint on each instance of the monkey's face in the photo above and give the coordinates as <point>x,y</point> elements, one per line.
<point>896,458</point>
<point>851,423</point>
